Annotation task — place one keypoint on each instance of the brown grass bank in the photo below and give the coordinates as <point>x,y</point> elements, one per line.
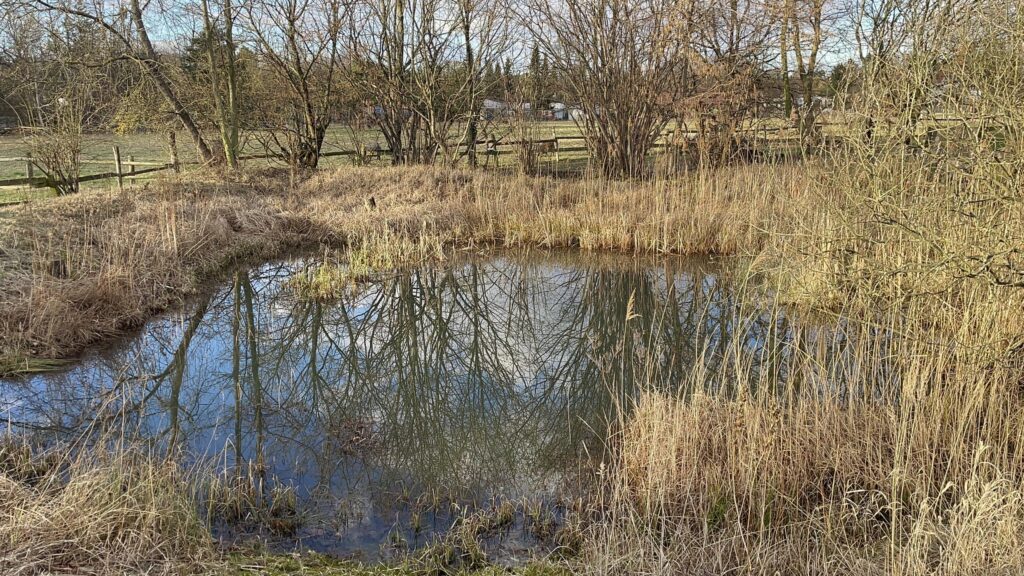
<point>102,512</point>
<point>902,455</point>
<point>77,270</point>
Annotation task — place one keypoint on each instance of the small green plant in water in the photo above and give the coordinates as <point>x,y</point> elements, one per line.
<point>327,281</point>
<point>11,365</point>
<point>245,499</point>
<point>375,256</point>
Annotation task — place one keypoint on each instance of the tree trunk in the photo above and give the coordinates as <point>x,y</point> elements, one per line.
<point>163,84</point>
<point>787,95</point>
<point>471,130</point>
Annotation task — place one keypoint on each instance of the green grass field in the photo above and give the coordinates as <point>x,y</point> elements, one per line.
<point>97,150</point>
<point>153,147</point>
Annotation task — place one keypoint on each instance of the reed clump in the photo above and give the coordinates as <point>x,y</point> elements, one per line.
<point>723,211</point>
<point>344,270</point>
<point>105,512</point>
<point>80,269</point>
<point>248,500</point>
<point>796,492</point>
<point>880,451</point>
<point>889,445</point>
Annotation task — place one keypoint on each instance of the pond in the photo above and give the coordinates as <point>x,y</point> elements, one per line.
<point>415,397</point>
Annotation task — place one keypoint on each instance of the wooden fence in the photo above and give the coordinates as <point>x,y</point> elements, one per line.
<point>121,168</point>
<point>128,167</point>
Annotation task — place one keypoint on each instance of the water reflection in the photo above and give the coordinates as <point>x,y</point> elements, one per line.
<point>484,379</point>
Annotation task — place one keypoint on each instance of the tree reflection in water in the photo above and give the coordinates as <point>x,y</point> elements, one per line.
<point>492,378</point>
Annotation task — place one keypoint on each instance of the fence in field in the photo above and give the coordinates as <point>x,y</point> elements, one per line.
<point>123,167</point>
<point>127,167</point>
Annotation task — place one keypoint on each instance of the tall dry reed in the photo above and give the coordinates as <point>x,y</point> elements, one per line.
<point>80,269</point>
<point>116,511</point>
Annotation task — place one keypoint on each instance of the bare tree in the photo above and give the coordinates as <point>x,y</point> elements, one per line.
<point>23,63</point>
<point>420,65</point>
<point>222,59</point>
<point>521,95</point>
<point>619,59</point>
<point>902,45</point>
<point>486,38</point>
<point>734,39</point>
<point>380,65</point>
<point>808,24</point>
<point>126,24</point>
<point>437,79</point>
<point>299,41</point>
<point>56,144</point>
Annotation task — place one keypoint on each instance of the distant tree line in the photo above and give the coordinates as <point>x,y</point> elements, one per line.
<point>418,72</point>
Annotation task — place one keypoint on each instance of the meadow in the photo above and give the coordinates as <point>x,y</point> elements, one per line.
<point>149,147</point>
<point>97,152</point>
<point>914,255</point>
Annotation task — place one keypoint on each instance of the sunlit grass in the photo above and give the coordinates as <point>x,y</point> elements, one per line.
<point>817,472</point>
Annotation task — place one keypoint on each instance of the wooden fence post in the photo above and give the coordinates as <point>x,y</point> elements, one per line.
<point>30,168</point>
<point>131,164</point>
<point>117,169</point>
<point>172,145</point>
<point>555,138</point>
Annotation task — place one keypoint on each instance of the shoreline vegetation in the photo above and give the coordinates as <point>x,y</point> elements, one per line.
<point>911,466</point>
<point>81,269</point>
<point>861,167</point>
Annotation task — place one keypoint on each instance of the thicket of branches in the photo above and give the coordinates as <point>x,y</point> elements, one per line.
<point>418,72</point>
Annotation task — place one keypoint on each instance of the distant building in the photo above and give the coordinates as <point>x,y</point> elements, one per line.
<point>493,108</point>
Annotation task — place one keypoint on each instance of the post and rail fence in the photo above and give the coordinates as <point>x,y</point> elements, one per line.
<point>130,168</point>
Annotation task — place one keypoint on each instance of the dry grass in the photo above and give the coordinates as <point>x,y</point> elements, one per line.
<point>80,269</point>
<point>915,262</point>
<point>910,265</point>
<point>716,486</point>
<point>720,212</point>
<point>84,268</point>
<point>111,512</point>
<point>819,477</point>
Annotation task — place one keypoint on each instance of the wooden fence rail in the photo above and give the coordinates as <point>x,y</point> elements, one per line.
<point>132,168</point>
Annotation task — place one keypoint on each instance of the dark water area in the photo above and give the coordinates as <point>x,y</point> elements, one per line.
<point>413,399</point>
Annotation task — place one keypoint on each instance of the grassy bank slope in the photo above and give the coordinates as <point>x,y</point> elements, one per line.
<point>77,270</point>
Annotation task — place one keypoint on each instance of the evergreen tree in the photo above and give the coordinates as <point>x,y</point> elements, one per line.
<point>508,77</point>
<point>544,91</point>
<point>492,81</point>
<point>536,78</point>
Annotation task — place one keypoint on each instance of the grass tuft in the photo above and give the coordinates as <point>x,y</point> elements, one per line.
<point>123,512</point>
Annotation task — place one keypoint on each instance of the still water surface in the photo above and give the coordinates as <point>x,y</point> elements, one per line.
<point>485,379</point>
